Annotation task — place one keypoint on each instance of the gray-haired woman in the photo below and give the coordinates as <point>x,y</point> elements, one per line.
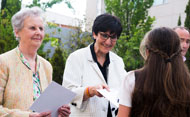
<point>23,74</point>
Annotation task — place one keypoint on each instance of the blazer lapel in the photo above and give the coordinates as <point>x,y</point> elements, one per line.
<point>94,64</point>
<point>96,68</point>
<point>111,68</point>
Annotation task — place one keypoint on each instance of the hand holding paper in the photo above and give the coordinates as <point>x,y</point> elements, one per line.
<point>111,95</point>
<point>52,98</point>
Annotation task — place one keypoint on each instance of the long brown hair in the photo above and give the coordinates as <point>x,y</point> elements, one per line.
<point>162,88</point>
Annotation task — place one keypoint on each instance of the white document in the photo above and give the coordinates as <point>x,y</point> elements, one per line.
<point>53,97</point>
<point>111,95</point>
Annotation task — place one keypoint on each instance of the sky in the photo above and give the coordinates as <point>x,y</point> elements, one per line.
<point>61,8</point>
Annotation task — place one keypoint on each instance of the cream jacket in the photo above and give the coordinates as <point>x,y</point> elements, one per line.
<point>16,84</point>
<point>80,72</point>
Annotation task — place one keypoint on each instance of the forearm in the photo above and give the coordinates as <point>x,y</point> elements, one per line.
<point>87,94</point>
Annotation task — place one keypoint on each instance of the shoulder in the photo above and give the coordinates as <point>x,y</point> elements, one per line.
<point>116,60</point>
<point>8,53</point>
<point>127,89</point>
<point>79,55</point>
<point>115,57</point>
<point>8,56</point>
<point>79,52</point>
<point>130,78</point>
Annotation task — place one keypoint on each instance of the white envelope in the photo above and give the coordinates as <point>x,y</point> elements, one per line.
<point>53,97</point>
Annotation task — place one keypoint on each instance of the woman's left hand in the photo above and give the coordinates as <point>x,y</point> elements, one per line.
<point>64,111</point>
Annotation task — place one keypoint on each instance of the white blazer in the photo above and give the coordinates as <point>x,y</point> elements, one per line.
<point>80,72</point>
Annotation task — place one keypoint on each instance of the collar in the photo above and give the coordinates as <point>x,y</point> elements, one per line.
<point>184,58</point>
<point>24,60</point>
<point>107,61</point>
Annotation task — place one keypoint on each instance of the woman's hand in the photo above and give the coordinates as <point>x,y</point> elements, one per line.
<point>43,114</point>
<point>64,111</point>
<point>93,90</point>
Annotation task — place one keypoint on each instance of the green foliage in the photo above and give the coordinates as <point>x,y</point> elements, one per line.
<point>179,21</point>
<point>7,39</point>
<point>2,45</point>
<point>47,38</point>
<point>187,19</point>
<point>79,39</point>
<point>49,4</point>
<point>136,22</point>
<point>58,62</point>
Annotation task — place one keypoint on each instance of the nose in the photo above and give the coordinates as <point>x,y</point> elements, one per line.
<point>108,41</point>
<point>38,31</point>
<point>185,45</point>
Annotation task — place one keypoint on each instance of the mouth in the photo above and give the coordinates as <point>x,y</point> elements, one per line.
<point>184,50</point>
<point>107,46</point>
<point>37,39</point>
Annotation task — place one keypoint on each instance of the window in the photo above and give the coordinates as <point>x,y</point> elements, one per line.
<point>159,2</point>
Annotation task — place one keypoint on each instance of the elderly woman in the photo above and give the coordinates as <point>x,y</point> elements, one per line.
<point>23,74</point>
<point>161,88</point>
<point>95,67</point>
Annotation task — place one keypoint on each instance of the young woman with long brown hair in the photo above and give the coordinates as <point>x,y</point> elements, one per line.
<point>162,87</point>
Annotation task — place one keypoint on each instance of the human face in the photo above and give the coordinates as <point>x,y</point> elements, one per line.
<point>104,41</point>
<point>32,33</point>
<point>184,40</point>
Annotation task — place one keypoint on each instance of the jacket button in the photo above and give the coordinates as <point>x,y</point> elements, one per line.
<point>74,104</point>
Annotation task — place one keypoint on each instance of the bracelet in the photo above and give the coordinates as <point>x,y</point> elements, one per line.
<point>87,92</point>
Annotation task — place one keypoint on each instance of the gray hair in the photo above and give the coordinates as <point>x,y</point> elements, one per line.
<point>18,18</point>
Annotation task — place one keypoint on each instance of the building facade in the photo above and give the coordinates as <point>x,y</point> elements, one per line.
<point>166,12</point>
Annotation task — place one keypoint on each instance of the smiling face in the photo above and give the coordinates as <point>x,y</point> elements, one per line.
<point>32,33</point>
<point>103,45</point>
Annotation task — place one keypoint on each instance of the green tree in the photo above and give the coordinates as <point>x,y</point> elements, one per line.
<point>49,4</point>
<point>187,19</point>
<point>136,22</point>
<point>8,9</point>
<point>179,21</point>
<point>58,62</point>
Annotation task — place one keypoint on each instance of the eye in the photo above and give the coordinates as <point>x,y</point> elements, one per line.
<point>113,37</point>
<point>32,28</point>
<point>182,39</point>
<point>188,41</point>
<point>41,28</point>
<point>105,36</point>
